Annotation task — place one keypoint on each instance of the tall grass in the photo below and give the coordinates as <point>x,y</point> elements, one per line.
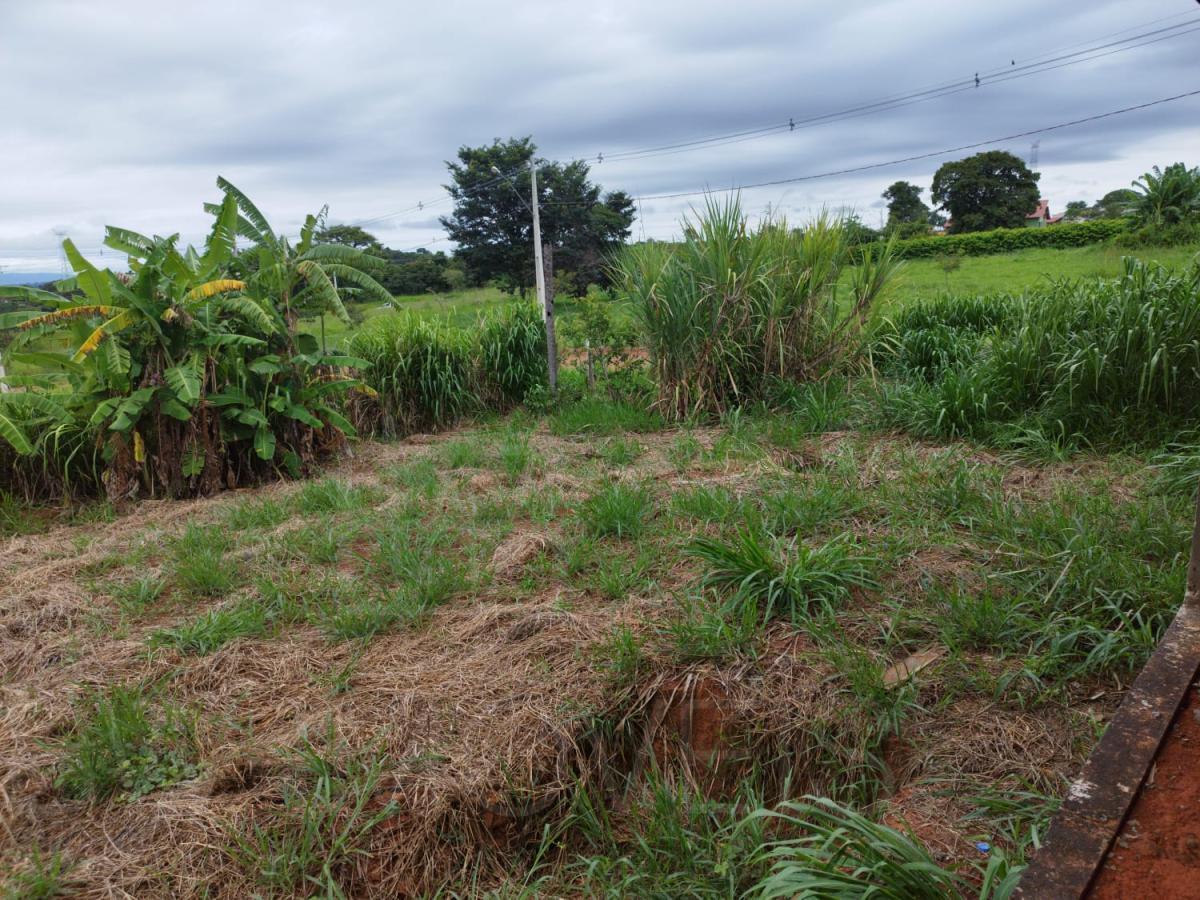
<point>428,373</point>
<point>733,306</point>
<point>1099,362</point>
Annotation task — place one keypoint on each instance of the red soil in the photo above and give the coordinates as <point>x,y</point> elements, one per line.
<point>1157,853</point>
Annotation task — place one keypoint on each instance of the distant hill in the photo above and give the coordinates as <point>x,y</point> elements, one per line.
<point>29,277</point>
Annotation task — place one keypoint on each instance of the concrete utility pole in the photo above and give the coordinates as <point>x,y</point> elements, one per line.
<point>541,273</point>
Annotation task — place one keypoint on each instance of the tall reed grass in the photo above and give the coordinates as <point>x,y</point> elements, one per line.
<point>734,306</point>
<point>428,373</point>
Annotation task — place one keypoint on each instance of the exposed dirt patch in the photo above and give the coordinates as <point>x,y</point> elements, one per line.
<point>1159,844</point>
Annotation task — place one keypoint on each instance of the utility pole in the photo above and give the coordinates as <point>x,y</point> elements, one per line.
<point>545,298</point>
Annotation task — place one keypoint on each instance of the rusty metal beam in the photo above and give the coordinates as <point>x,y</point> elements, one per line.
<point>1098,801</point>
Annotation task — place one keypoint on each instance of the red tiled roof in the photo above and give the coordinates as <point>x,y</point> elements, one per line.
<point>1042,211</point>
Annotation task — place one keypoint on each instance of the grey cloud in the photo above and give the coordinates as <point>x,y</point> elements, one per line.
<point>127,116</point>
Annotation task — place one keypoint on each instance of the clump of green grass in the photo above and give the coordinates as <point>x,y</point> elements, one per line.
<point>123,744</point>
<point>421,370</point>
<point>616,510</point>
<point>331,495</point>
<point>621,655</point>
<point>1106,362</point>
<point>731,309</point>
<point>621,451</point>
<point>706,503</point>
<point>684,451</point>
<point>215,628</point>
<point>464,453</point>
<point>135,597</point>
<point>514,455</point>
<point>782,579</point>
<point>419,476</point>
<point>684,844</point>
<point>43,877</point>
<point>199,565</point>
<point>321,825</point>
<point>594,415</point>
<point>257,513</point>
<point>707,631</point>
<point>838,852</point>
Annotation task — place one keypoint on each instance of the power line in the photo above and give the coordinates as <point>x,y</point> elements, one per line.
<point>919,156</point>
<point>1044,62</point>
<point>955,87</point>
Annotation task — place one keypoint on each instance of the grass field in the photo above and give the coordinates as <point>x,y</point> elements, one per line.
<point>1015,271</point>
<point>919,278</point>
<point>490,659</point>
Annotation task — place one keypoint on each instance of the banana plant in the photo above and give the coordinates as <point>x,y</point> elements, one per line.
<point>304,278</point>
<point>187,368</point>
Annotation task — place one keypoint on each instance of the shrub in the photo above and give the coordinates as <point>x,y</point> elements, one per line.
<point>1008,240</point>
<point>730,307</point>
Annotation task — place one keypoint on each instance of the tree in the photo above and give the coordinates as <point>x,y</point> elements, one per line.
<point>1077,210</point>
<point>993,189</point>
<point>1165,197</point>
<point>349,236</point>
<point>905,204</point>
<point>492,226</point>
<point>1115,204</point>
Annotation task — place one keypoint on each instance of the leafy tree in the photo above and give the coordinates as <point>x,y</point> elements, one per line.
<point>905,204</point>
<point>1167,197</point>
<point>416,272</point>
<point>857,232</point>
<point>349,236</point>
<point>1115,204</point>
<point>492,225</point>
<point>1078,209</point>
<point>989,190</point>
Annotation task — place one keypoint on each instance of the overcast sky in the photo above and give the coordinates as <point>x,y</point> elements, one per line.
<point>125,113</point>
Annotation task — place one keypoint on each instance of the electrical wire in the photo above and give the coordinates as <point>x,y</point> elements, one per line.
<point>1044,62</point>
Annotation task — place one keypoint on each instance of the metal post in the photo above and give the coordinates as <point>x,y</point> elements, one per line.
<point>1192,593</point>
<point>539,274</point>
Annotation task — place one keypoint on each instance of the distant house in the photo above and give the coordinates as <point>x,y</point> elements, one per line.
<point>1041,216</point>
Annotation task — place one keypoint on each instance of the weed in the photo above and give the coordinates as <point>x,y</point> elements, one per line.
<point>42,878</point>
<point>134,597</point>
<point>419,476</point>
<point>463,453</point>
<point>321,827</point>
<point>214,629</point>
<point>331,495</point>
<point>706,631</point>
<point>514,455</point>
<point>621,451</point>
<point>255,513</point>
<point>841,853</point>
<point>122,746</point>
<point>622,656</point>
<point>755,569</point>
<point>200,567</point>
<point>686,844</point>
<point>592,415</point>
<point>705,503</point>
<point>616,510</point>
